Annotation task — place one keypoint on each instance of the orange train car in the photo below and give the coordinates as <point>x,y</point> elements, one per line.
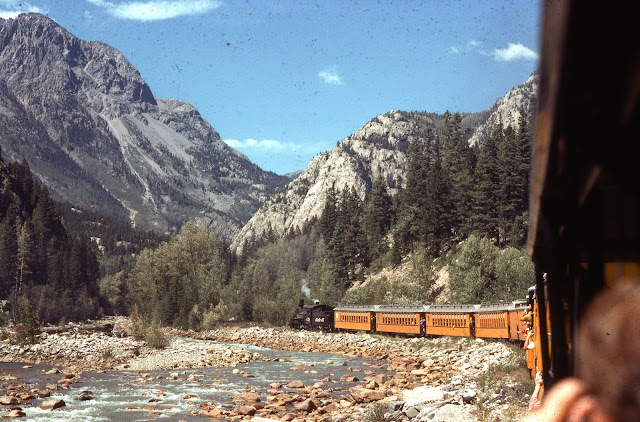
<point>400,319</point>
<point>500,321</point>
<point>354,318</point>
<point>449,320</point>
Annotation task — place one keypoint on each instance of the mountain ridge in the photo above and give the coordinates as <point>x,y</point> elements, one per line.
<point>378,148</point>
<point>155,161</point>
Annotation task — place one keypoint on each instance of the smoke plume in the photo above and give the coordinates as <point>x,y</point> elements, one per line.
<point>304,287</point>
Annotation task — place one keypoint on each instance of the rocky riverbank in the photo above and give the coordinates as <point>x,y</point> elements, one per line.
<point>417,379</point>
<point>79,351</point>
<point>445,379</point>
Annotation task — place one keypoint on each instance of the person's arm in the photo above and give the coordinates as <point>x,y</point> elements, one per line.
<point>534,401</point>
<point>528,339</point>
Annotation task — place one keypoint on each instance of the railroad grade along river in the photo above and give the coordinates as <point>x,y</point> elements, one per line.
<point>124,395</point>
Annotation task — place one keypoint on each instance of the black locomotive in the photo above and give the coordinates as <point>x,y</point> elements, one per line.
<point>312,317</point>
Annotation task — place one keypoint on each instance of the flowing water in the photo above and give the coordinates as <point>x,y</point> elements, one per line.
<point>130,396</point>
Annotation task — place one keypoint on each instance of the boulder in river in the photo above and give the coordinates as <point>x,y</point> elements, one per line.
<point>8,401</point>
<point>246,410</point>
<point>295,384</point>
<point>52,404</point>
<point>15,413</point>
<point>247,397</point>
<point>83,396</point>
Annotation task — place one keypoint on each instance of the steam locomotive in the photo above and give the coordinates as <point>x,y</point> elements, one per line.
<point>312,317</point>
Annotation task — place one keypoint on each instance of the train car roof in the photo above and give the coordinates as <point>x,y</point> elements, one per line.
<point>359,308</point>
<point>442,309</point>
<point>401,308</point>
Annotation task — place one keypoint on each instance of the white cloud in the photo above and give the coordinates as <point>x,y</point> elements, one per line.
<point>9,9</point>
<point>514,52</point>
<point>102,3</point>
<point>265,144</point>
<point>88,16</point>
<point>330,77</point>
<point>157,10</point>
<point>509,53</point>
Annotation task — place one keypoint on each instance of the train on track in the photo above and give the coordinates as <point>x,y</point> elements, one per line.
<point>488,321</point>
<point>499,321</point>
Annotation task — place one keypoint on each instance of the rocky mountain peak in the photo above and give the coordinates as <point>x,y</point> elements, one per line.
<point>378,148</point>
<point>38,54</point>
<point>507,109</point>
<point>92,130</point>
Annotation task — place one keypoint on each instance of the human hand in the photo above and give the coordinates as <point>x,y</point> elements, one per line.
<point>557,405</point>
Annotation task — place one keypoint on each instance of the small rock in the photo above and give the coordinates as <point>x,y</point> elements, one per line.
<point>246,398</point>
<point>246,410</point>
<point>306,406</point>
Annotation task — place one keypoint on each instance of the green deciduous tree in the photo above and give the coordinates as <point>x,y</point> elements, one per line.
<point>190,270</point>
<point>472,274</point>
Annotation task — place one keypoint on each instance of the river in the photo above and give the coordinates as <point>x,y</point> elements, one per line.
<point>153,395</point>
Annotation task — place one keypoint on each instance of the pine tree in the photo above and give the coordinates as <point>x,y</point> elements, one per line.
<point>487,187</point>
<point>512,194</point>
<point>410,225</point>
<point>8,257</point>
<point>437,206</point>
<point>377,215</point>
<point>348,247</point>
<point>329,217</point>
<point>458,162</point>
<point>25,257</point>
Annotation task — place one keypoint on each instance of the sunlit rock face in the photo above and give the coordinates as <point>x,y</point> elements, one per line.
<point>378,148</point>
<point>507,110</point>
<point>94,133</point>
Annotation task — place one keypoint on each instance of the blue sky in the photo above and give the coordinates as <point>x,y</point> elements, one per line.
<point>284,80</point>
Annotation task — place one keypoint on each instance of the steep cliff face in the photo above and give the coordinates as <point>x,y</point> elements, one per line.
<point>379,147</point>
<point>94,133</point>
<point>507,109</point>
